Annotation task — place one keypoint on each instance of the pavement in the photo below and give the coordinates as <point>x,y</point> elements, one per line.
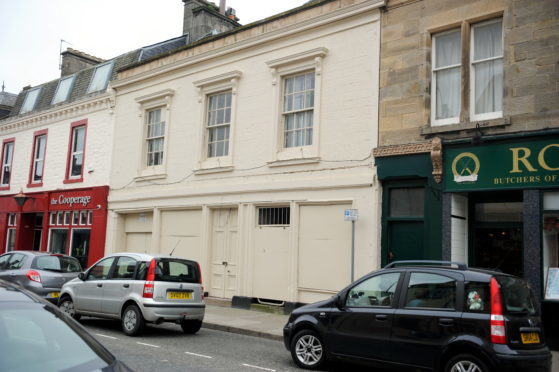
<point>265,325</point>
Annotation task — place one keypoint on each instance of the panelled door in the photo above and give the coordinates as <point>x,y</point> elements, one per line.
<point>224,248</point>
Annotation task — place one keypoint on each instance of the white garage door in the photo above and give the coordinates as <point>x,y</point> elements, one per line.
<point>180,233</point>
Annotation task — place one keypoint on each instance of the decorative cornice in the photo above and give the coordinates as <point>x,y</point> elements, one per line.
<point>405,149</point>
<point>89,105</point>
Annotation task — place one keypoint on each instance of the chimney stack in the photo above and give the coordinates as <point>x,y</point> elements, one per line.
<point>222,7</point>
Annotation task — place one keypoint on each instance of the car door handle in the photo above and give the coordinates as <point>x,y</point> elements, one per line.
<point>126,285</point>
<point>381,317</point>
<point>446,322</point>
<point>99,285</point>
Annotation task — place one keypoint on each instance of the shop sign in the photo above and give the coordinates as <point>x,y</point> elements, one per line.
<point>517,165</point>
<point>71,200</point>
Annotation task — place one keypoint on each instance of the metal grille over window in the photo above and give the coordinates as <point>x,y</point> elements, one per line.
<point>219,122</point>
<point>155,138</point>
<point>274,216</point>
<point>298,110</point>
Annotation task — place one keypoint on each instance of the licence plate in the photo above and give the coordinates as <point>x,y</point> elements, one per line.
<point>530,338</point>
<point>55,294</point>
<point>179,295</point>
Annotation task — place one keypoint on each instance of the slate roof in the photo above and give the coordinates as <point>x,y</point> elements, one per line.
<point>7,99</point>
<point>83,77</point>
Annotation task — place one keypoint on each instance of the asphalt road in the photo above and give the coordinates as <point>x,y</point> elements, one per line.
<point>166,348</point>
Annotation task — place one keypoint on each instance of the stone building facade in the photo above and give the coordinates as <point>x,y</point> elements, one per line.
<point>469,125</point>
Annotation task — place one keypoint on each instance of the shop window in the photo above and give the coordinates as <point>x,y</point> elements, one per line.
<point>407,202</point>
<point>80,245</point>
<point>274,216</point>
<point>90,218</point>
<point>60,218</point>
<point>551,245</point>
<point>52,220</point>
<point>75,218</point>
<point>67,216</point>
<point>83,218</point>
<point>58,241</point>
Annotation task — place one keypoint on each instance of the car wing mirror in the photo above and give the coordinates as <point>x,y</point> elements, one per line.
<point>81,276</point>
<point>338,301</point>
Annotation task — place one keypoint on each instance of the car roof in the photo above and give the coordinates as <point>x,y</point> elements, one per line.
<point>38,253</point>
<point>12,293</point>
<point>144,256</point>
<point>470,273</point>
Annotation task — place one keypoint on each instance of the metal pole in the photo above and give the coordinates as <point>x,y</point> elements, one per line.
<point>352,250</point>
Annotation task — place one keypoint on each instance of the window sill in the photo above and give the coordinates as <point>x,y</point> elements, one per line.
<point>288,162</point>
<point>73,180</point>
<point>3,188</point>
<point>428,129</point>
<point>213,170</point>
<point>150,177</point>
<point>38,184</point>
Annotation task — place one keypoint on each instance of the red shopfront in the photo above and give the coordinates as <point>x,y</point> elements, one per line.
<point>72,222</point>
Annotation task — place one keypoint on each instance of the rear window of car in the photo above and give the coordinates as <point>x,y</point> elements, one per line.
<point>176,270</point>
<point>60,264</point>
<point>477,297</point>
<point>517,296</point>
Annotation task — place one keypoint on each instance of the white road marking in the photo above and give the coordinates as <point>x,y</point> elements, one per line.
<point>141,343</point>
<point>198,355</point>
<point>262,368</point>
<point>111,337</point>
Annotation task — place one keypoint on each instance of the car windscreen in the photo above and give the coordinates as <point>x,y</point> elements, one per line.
<point>176,270</point>
<point>517,296</point>
<point>62,264</point>
<point>35,338</point>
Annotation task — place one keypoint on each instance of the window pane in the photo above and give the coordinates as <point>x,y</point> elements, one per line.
<point>488,41</point>
<point>79,134</point>
<point>100,78</point>
<point>58,241</point>
<point>101,270</point>
<point>448,93</point>
<point>30,100</point>
<point>125,268</point>
<point>447,49</point>
<point>489,86</point>
<point>376,291</point>
<point>407,202</point>
<point>7,163</point>
<point>431,291</point>
<point>63,90</point>
<point>77,163</point>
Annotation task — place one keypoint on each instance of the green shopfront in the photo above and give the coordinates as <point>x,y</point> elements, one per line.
<point>500,210</point>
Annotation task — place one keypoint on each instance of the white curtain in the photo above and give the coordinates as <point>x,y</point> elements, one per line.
<point>488,74</point>
<point>447,93</point>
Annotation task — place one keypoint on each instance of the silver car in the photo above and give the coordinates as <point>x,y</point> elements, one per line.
<point>40,272</point>
<point>138,288</point>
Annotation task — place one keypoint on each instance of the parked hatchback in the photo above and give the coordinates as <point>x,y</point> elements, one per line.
<point>138,288</point>
<point>429,315</point>
<point>40,272</point>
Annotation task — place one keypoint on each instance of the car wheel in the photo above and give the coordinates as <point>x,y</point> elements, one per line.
<point>67,307</point>
<point>132,321</point>
<point>191,326</point>
<point>466,362</point>
<point>307,350</point>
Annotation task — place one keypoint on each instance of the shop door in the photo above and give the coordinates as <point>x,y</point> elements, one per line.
<point>499,247</point>
<point>406,240</point>
<point>224,250</point>
<point>80,245</point>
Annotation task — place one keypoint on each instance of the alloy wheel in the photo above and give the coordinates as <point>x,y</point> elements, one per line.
<point>465,366</point>
<point>67,307</point>
<point>308,350</point>
<point>130,320</point>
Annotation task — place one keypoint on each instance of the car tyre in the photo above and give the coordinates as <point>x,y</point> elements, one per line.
<point>132,321</point>
<point>307,350</point>
<point>191,326</point>
<point>66,305</point>
<point>466,362</point>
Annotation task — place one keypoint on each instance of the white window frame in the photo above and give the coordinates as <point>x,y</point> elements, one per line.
<point>12,219</point>
<point>91,88</point>
<point>434,120</point>
<point>215,127</point>
<point>31,99</point>
<point>7,162</point>
<point>285,67</point>
<point>487,115</point>
<point>37,158</point>
<point>51,230</point>
<point>153,138</point>
<point>58,99</point>
<point>71,243</point>
<point>207,87</point>
<point>9,232</point>
<point>74,154</point>
<point>161,99</point>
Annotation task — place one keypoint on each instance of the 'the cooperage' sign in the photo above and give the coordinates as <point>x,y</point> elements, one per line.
<point>516,165</point>
<point>71,200</point>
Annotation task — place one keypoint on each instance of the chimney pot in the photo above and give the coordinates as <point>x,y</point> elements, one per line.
<point>222,7</point>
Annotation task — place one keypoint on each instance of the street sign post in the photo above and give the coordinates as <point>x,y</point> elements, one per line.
<point>352,215</point>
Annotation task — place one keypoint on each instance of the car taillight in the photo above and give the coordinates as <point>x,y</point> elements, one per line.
<point>497,322</point>
<point>148,285</point>
<point>33,275</point>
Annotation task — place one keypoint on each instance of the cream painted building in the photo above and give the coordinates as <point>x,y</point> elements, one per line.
<point>243,151</point>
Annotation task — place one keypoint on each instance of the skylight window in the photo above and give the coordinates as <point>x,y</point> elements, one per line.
<point>30,100</point>
<point>100,77</point>
<point>63,90</point>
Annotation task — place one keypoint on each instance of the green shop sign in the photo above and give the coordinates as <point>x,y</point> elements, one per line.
<point>516,165</point>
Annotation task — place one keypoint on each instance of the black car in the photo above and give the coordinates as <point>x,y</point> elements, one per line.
<point>430,315</point>
<point>36,336</point>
